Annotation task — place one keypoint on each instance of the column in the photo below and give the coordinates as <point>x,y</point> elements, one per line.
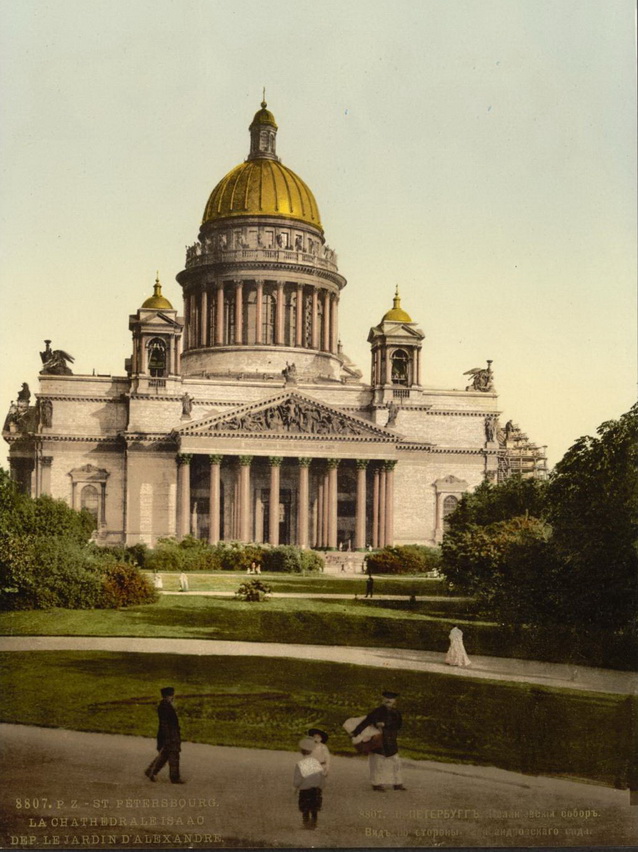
<point>319,513</point>
<point>326,321</point>
<point>315,319</point>
<point>279,314</point>
<point>239,312</point>
<point>325,512</point>
<point>302,512</point>
<point>333,499</point>
<point>375,506</point>
<point>273,509</point>
<point>259,312</point>
<point>45,482</point>
<point>244,498</point>
<point>215,502</point>
<point>183,494</point>
<point>389,503</point>
<point>334,324</point>
<point>300,316</point>
<point>203,317</point>
<point>219,315</point>
<point>360,511</point>
<point>382,504</point>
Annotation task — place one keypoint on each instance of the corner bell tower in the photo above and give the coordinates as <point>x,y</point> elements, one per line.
<point>396,355</point>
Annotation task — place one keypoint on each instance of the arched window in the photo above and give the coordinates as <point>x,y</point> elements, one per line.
<point>250,317</point>
<point>449,505</point>
<point>400,367</point>
<point>90,500</point>
<point>269,312</point>
<point>157,357</point>
<point>229,319</point>
<point>290,319</point>
<point>307,321</point>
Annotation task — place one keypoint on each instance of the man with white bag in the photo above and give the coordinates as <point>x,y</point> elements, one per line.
<point>384,761</point>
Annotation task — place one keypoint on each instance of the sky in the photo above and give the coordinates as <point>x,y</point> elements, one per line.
<point>479,154</point>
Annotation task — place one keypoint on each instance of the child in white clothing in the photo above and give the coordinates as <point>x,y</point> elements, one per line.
<point>320,751</point>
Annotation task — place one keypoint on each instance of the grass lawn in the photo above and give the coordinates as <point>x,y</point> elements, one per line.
<point>242,702</point>
<point>311,584</point>
<point>278,620</point>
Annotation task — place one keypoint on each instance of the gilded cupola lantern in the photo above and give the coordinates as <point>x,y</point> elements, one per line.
<point>263,135</point>
<point>157,342</point>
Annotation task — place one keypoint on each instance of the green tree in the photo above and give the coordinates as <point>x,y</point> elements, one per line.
<point>593,509</point>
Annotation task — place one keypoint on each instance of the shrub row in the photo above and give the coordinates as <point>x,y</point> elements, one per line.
<point>192,554</point>
<point>408,559</point>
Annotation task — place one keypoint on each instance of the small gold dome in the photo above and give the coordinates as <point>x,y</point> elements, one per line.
<point>263,116</point>
<point>262,187</point>
<point>396,312</point>
<point>157,300</point>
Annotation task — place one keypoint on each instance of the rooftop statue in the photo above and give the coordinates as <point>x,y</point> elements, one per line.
<point>482,379</point>
<point>54,361</point>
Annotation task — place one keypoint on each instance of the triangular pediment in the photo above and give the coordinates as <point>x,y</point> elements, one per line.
<point>289,414</point>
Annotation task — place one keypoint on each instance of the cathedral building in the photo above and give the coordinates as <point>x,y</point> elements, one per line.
<point>243,419</point>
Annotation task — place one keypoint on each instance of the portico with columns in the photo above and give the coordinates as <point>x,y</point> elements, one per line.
<point>287,471</point>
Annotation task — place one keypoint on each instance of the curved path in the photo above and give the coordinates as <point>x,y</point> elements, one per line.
<point>489,668</point>
<point>85,784</point>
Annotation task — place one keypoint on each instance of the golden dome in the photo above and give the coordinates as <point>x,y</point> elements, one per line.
<point>262,187</point>
<point>157,300</point>
<point>396,312</point>
<point>264,116</point>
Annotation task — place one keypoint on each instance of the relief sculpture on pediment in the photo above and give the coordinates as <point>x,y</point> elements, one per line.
<point>292,417</point>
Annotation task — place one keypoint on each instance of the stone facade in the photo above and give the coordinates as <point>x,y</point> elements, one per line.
<point>243,419</point>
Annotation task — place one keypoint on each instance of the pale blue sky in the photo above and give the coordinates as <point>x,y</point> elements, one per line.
<point>480,154</point>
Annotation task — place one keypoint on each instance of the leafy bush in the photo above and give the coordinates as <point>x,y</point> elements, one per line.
<point>124,585</point>
<point>407,559</point>
<point>236,556</point>
<point>291,560</point>
<point>253,590</point>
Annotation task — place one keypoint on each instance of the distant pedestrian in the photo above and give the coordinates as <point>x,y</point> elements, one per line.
<point>383,761</point>
<point>183,582</point>
<point>321,751</point>
<point>169,741</point>
<point>308,779</point>
<point>456,655</point>
<point>369,586</point>
<point>157,581</point>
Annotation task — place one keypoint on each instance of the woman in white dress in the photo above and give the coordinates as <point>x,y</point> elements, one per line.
<point>456,655</point>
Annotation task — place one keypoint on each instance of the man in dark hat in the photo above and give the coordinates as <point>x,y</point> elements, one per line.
<point>384,760</point>
<point>169,741</point>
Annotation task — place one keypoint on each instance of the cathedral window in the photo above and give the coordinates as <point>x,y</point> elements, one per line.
<point>290,319</point>
<point>250,317</point>
<point>307,329</point>
<point>449,505</point>
<point>269,315</point>
<point>229,319</point>
<point>400,367</point>
<point>90,500</point>
<point>157,357</point>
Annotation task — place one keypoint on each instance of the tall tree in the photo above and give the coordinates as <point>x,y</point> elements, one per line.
<point>593,509</point>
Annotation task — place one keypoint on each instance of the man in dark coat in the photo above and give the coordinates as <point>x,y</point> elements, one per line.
<point>169,741</point>
<point>384,760</point>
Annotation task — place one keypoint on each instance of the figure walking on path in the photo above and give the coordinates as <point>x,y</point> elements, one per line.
<point>183,582</point>
<point>169,740</point>
<point>369,586</point>
<point>384,761</point>
<point>456,655</point>
<point>308,780</point>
